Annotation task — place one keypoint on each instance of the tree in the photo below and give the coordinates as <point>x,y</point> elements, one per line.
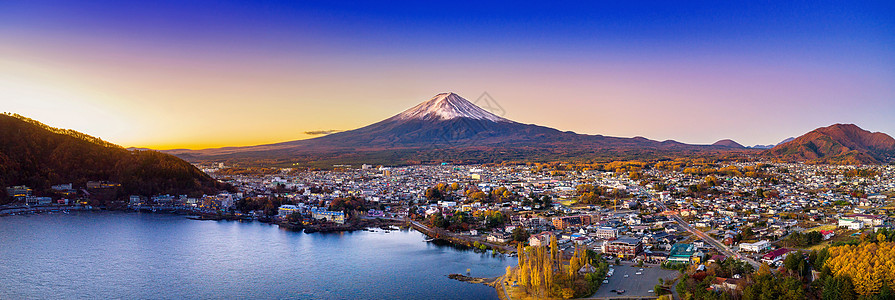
<point>544,275</point>
<point>792,261</point>
<point>769,286</point>
<point>433,194</point>
<point>295,217</point>
<point>520,235</point>
<point>764,269</point>
<point>838,287</point>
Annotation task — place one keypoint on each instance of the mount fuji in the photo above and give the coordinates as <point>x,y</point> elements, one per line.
<point>450,128</point>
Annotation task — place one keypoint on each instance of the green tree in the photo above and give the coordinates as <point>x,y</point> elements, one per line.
<point>520,235</point>
<point>792,261</point>
<point>838,287</point>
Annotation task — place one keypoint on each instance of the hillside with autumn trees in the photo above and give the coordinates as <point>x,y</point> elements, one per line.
<point>869,266</point>
<point>39,156</point>
<point>837,144</point>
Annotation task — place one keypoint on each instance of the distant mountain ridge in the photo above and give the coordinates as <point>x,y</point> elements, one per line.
<point>728,143</point>
<point>837,144</point>
<point>769,146</point>
<point>39,156</point>
<point>448,127</point>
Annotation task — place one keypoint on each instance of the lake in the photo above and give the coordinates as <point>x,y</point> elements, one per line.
<point>100,255</point>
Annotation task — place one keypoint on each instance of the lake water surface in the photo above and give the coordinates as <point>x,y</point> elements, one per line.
<point>101,255</point>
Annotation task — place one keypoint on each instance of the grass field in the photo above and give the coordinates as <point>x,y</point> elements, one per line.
<point>821,227</point>
<point>841,235</point>
<point>568,202</point>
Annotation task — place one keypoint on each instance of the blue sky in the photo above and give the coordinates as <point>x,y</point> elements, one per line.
<point>756,72</point>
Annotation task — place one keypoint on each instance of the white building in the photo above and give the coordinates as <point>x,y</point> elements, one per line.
<point>135,200</point>
<point>756,247</point>
<point>606,233</point>
<point>850,223</point>
<point>286,210</point>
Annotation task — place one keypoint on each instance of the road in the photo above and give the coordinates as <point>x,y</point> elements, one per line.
<point>705,237</point>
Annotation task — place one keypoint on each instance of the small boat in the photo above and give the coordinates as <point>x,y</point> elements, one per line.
<point>429,240</point>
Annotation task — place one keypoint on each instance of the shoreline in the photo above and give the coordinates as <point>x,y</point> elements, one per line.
<point>25,210</point>
<point>466,241</point>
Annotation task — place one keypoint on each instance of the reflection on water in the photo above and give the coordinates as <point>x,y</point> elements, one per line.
<point>132,255</point>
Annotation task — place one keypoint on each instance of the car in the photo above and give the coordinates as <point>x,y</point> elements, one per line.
<point>626,275</point>
<point>650,291</point>
<point>641,269</point>
<point>638,273</point>
<point>620,292</point>
<point>605,281</point>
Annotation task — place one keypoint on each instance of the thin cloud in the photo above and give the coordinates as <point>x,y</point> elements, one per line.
<point>322,132</point>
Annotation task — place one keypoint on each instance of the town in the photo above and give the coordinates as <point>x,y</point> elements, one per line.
<point>668,214</point>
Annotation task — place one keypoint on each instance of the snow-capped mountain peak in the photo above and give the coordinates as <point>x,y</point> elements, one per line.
<point>447,106</point>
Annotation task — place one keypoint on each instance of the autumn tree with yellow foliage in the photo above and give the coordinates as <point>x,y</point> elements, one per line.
<point>870,265</point>
<point>545,274</point>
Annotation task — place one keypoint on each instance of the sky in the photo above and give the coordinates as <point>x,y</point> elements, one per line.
<point>202,74</point>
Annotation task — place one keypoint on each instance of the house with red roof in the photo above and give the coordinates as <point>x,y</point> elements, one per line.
<point>775,256</point>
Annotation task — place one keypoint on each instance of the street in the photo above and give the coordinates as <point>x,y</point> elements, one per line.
<point>705,237</point>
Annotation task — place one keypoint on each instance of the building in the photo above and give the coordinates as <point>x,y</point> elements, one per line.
<point>498,237</point>
<point>326,215</point>
<point>18,191</point>
<point>226,200</point>
<point>682,253</point>
<point>61,187</point>
<point>286,210</point>
<point>867,220</point>
<point>540,239</point>
<point>606,233</point>
<point>756,247</point>
<point>31,200</point>
<point>623,247</point>
<point>102,184</point>
<point>775,256</point>
<point>723,284</point>
<point>850,223</point>
<point>656,257</point>
<point>163,200</point>
<point>562,223</point>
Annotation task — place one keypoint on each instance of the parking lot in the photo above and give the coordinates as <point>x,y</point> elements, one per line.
<point>634,285</point>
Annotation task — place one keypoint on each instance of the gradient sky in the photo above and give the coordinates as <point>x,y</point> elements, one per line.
<point>187,74</point>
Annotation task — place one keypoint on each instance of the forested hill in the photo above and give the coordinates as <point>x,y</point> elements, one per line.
<point>40,156</point>
<point>838,144</point>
